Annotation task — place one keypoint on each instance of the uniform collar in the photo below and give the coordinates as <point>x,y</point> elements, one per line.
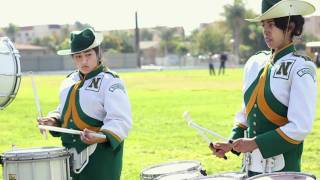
<point>93,73</point>
<point>282,52</point>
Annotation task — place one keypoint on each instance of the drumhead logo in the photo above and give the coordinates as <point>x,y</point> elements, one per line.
<point>12,176</point>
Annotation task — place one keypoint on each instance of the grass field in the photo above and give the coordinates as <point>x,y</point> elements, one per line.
<point>159,132</point>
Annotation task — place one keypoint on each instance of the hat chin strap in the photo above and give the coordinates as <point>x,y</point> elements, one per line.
<point>99,54</point>
<point>287,29</point>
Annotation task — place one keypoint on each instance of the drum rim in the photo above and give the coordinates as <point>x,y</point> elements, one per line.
<point>54,153</point>
<point>17,78</point>
<point>216,175</point>
<point>175,173</point>
<point>284,173</point>
<point>198,167</point>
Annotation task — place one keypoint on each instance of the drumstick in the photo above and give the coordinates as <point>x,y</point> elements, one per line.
<point>201,131</point>
<point>37,100</point>
<point>69,131</point>
<point>192,124</point>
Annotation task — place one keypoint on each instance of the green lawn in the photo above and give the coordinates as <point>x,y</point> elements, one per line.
<point>159,132</point>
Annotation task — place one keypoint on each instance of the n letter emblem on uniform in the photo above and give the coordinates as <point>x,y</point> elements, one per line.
<point>94,85</point>
<point>283,70</point>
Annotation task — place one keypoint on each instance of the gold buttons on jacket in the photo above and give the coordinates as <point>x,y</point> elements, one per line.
<point>254,115</point>
<point>255,106</point>
<point>254,123</point>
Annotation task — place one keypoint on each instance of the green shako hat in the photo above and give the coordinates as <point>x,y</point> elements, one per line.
<point>82,41</point>
<point>271,9</point>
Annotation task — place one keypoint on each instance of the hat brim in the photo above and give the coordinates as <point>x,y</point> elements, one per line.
<point>286,8</point>
<point>97,41</point>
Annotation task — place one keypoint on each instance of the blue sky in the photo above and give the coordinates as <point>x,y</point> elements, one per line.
<point>118,14</point>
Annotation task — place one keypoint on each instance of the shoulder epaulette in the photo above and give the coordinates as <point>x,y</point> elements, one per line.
<point>264,52</point>
<point>305,57</point>
<point>112,73</point>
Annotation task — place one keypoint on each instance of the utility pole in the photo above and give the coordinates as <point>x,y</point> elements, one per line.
<point>137,41</point>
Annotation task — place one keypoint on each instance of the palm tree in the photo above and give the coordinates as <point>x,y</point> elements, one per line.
<point>235,15</point>
<point>166,35</point>
<point>11,31</point>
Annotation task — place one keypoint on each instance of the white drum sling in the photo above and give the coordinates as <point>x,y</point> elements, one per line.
<point>10,71</point>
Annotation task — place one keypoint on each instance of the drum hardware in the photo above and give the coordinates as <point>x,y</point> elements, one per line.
<point>180,176</point>
<point>80,161</point>
<point>16,75</point>
<point>246,157</point>
<point>7,95</point>
<point>5,52</point>
<point>203,172</point>
<point>1,159</point>
<point>223,176</point>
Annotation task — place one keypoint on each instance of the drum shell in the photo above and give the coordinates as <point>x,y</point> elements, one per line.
<point>10,71</point>
<point>196,166</point>
<point>52,163</point>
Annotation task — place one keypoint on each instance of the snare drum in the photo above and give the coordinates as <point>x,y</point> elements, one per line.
<point>39,163</point>
<point>284,176</point>
<point>224,176</point>
<point>155,171</point>
<point>10,71</point>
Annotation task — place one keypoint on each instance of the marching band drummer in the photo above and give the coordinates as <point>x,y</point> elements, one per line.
<point>279,94</point>
<point>92,99</point>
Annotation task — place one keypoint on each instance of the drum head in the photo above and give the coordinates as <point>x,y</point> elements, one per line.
<point>35,153</point>
<point>170,168</point>
<point>10,71</point>
<point>284,176</point>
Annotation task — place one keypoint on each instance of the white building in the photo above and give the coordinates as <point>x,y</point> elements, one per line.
<point>26,34</point>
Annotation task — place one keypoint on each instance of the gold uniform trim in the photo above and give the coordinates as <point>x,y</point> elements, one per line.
<point>69,108</point>
<point>265,108</point>
<point>72,111</point>
<point>285,137</point>
<point>258,94</point>
<point>242,126</point>
<point>112,134</point>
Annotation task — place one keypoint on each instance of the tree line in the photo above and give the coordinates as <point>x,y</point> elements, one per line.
<point>234,35</point>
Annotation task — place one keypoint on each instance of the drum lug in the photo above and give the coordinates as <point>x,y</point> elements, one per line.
<point>203,172</point>
<point>1,159</point>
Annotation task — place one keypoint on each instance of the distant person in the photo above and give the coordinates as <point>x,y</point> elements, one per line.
<point>92,99</point>
<point>317,58</point>
<point>223,59</point>
<point>279,95</point>
<point>211,66</point>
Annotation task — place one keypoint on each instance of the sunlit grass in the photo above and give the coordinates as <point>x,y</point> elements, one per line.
<point>159,132</point>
